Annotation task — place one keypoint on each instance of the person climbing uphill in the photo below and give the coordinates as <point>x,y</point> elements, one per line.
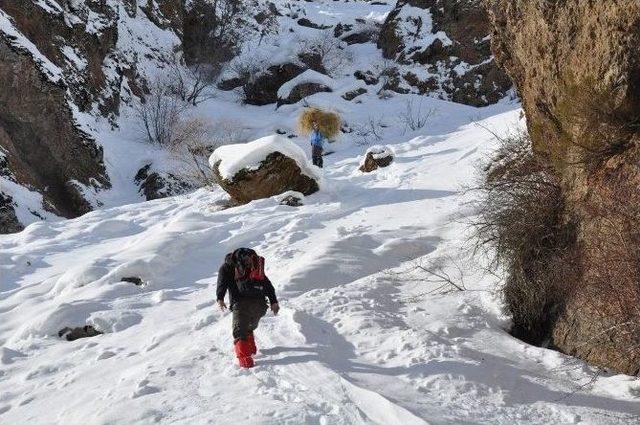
<point>317,145</point>
<point>242,275</point>
<point>321,127</point>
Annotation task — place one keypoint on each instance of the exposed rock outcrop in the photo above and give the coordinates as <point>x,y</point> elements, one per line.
<point>8,221</point>
<point>579,79</point>
<point>376,157</point>
<point>71,334</point>
<point>44,148</point>
<point>301,91</point>
<point>275,175</point>
<point>263,89</point>
<point>451,39</point>
<point>155,185</point>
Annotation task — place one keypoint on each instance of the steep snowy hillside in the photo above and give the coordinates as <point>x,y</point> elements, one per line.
<point>70,141</point>
<point>364,336</point>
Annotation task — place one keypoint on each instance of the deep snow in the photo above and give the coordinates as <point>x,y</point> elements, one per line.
<point>360,338</point>
<point>363,336</point>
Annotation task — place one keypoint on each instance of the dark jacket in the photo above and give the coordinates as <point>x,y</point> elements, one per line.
<point>227,282</point>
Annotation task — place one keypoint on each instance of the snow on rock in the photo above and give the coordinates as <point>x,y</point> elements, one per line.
<point>376,157</point>
<point>304,85</point>
<point>263,168</point>
<point>230,159</point>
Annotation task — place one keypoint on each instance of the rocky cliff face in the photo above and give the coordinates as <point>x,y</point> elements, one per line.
<point>579,79</point>
<point>450,41</point>
<point>65,62</point>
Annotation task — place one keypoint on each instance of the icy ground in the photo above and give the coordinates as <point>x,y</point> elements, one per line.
<point>360,338</point>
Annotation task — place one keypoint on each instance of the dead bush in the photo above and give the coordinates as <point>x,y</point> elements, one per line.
<point>194,142</point>
<point>192,84</point>
<point>160,113</point>
<point>414,116</point>
<point>521,222</point>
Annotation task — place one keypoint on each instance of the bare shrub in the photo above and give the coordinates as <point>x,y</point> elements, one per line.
<point>192,84</point>
<point>521,222</point>
<point>159,113</point>
<point>368,132</point>
<point>332,53</point>
<point>195,140</point>
<point>415,117</point>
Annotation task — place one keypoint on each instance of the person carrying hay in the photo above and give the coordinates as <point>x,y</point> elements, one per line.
<point>317,146</point>
<point>320,126</point>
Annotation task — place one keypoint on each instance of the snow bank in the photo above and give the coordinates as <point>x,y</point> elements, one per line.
<point>233,158</point>
<point>308,77</point>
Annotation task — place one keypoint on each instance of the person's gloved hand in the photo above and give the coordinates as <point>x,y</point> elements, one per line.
<point>222,305</point>
<point>275,308</point>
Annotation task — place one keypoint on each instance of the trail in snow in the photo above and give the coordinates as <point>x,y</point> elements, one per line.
<point>358,340</point>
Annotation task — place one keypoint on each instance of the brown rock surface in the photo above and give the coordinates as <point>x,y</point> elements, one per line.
<point>466,24</point>
<point>372,162</point>
<point>579,79</point>
<point>43,147</point>
<point>277,174</point>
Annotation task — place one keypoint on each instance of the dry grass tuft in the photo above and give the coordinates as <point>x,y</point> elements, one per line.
<point>329,123</point>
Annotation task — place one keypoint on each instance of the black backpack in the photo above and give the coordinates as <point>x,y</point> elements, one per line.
<point>249,273</point>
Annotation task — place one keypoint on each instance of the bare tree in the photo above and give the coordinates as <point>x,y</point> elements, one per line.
<point>159,113</point>
<point>368,131</point>
<point>192,84</point>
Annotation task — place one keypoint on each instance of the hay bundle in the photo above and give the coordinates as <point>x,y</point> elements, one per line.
<point>328,122</point>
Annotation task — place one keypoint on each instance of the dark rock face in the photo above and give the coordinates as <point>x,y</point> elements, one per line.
<point>462,28</point>
<point>8,221</point>
<point>277,174</point>
<point>153,185</point>
<point>86,331</point>
<point>43,147</point>
<point>372,162</point>
<point>301,91</point>
<point>263,89</point>
<point>579,80</point>
<point>350,95</point>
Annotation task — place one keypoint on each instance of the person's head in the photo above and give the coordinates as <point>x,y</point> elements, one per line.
<point>314,125</point>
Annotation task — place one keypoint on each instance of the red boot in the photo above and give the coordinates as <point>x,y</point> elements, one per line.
<point>252,344</point>
<point>243,353</point>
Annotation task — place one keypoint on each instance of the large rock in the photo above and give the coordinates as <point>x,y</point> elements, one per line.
<point>8,221</point>
<point>455,49</point>
<point>575,64</point>
<point>44,149</point>
<point>263,168</point>
<point>263,89</point>
<point>304,85</point>
<point>376,157</point>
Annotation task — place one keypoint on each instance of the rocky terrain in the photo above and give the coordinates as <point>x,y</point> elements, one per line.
<point>75,68</point>
<point>579,80</point>
<point>449,43</point>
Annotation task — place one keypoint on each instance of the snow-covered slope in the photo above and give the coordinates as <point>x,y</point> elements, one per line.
<point>362,338</point>
<point>104,55</point>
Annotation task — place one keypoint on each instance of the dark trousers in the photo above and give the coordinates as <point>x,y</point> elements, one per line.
<point>316,156</point>
<point>246,316</point>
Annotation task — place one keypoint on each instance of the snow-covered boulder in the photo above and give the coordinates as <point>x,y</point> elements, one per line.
<point>263,168</point>
<point>376,157</point>
<point>306,84</point>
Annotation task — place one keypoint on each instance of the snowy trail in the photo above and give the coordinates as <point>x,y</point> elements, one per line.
<point>357,340</point>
